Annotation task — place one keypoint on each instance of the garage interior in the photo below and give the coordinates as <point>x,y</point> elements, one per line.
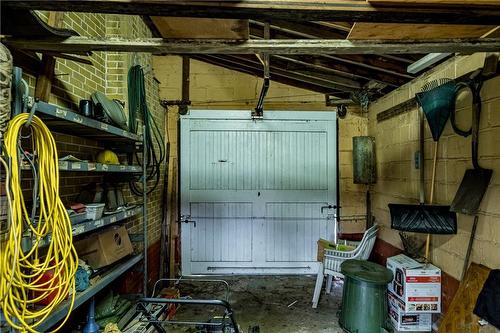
<point>250,166</point>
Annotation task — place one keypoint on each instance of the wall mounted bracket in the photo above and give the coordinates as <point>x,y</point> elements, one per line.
<point>258,112</point>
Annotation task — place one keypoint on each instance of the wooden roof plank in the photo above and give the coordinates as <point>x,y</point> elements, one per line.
<point>388,31</point>
<point>424,3</point>
<point>327,10</point>
<point>201,28</point>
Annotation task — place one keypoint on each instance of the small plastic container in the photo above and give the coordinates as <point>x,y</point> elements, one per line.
<point>77,217</point>
<point>94,211</point>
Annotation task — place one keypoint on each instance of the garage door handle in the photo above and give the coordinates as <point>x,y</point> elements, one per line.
<point>189,221</point>
<point>328,207</point>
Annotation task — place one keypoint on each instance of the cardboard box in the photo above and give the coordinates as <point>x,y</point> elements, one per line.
<point>322,245</point>
<point>104,248</point>
<point>404,322</point>
<point>417,285</point>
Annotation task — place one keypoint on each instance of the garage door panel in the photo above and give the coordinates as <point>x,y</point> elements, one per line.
<point>255,190</point>
<point>292,230</point>
<point>250,160</point>
<point>223,232</point>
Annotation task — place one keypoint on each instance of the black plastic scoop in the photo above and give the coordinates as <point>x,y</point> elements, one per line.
<point>431,219</point>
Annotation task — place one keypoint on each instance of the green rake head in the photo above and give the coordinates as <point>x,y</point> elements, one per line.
<point>437,100</point>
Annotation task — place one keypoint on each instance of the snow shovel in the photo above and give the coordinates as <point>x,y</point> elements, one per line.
<point>437,100</point>
<point>475,181</point>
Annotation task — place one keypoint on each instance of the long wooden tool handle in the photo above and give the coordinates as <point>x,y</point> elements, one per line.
<point>431,200</point>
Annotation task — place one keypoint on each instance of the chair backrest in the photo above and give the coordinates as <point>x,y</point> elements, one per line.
<point>369,234</point>
<point>367,247</point>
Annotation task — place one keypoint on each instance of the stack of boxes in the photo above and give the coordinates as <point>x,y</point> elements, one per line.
<point>414,294</point>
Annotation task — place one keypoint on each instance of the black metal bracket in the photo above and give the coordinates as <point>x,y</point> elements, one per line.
<point>176,102</point>
<point>181,103</point>
<point>258,112</point>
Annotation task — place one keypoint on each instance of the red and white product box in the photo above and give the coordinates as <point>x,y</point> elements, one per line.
<point>417,285</point>
<point>403,322</point>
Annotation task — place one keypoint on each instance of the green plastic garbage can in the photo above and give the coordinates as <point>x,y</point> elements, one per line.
<point>364,299</point>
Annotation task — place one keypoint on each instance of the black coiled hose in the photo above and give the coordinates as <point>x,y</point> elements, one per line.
<point>137,105</point>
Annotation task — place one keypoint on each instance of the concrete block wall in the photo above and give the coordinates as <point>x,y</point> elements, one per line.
<point>108,74</point>
<point>216,88</point>
<point>398,179</point>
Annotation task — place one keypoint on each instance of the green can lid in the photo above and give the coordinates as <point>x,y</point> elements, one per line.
<point>366,271</point>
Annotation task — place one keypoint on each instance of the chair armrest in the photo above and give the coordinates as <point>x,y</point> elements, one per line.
<point>332,254</point>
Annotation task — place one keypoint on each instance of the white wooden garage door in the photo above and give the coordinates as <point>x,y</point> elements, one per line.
<point>255,194</point>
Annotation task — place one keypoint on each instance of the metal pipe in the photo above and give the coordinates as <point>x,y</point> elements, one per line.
<point>186,69</point>
<point>214,302</point>
<point>181,279</point>
<point>145,209</point>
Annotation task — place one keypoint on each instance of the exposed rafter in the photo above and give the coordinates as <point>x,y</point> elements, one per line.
<point>328,10</point>
<point>323,64</point>
<point>301,29</point>
<point>334,83</point>
<point>271,46</point>
<point>385,63</point>
<point>248,69</point>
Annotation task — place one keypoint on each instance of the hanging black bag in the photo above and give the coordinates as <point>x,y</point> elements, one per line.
<point>488,302</point>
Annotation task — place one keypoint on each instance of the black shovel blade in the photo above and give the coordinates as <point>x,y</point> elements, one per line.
<point>422,218</point>
<point>471,191</point>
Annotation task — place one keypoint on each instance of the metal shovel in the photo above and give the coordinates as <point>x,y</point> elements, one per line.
<point>475,181</point>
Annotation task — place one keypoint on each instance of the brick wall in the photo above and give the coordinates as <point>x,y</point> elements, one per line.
<point>397,141</point>
<point>108,74</point>
<point>213,87</point>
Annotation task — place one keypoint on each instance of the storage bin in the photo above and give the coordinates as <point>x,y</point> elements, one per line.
<point>94,211</point>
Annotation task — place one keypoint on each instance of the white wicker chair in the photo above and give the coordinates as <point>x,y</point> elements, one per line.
<point>333,259</point>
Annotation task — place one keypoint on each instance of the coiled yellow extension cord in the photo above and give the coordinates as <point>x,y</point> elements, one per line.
<point>21,286</point>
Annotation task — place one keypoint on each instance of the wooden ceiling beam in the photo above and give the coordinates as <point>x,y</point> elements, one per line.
<point>285,63</point>
<point>324,64</point>
<point>221,62</point>
<point>396,64</point>
<point>306,29</point>
<point>377,63</point>
<point>343,26</point>
<point>330,82</point>
<point>328,10</point>
<point>271,46</point>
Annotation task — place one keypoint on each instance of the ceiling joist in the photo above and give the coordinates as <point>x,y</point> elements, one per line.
<point>252,70</point>
<point>323,64</point>
<point>327,10</point>
<point>271,46</point>
<point>333,83</point>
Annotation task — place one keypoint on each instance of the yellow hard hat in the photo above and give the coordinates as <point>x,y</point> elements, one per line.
<point>107,157</point>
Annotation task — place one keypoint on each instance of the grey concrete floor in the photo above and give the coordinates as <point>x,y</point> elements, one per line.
<point>266,301</point>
